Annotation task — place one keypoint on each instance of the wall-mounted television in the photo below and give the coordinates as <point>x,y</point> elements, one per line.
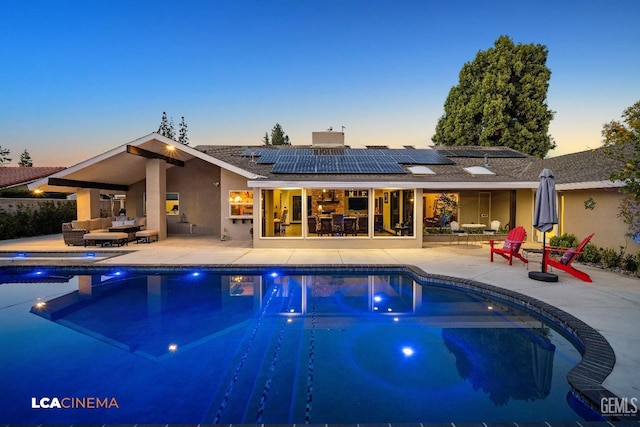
<point>358,203</point>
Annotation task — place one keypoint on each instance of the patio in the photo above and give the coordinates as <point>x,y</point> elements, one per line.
<point>611,304</point>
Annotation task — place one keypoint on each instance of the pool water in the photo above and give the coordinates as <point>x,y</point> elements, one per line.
<point>199,347</point>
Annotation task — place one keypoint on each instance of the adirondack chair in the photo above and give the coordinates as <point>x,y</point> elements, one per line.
<point>511,247</point>
<point>568,256</point>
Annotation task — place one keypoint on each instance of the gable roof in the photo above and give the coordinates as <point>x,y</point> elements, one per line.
<point>118,167</point>
<point>11,176</point>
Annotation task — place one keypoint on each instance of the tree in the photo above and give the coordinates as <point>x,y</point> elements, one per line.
<point>622,143</point>
<point>182,132</point>
<point>265,140</point>
<point>163,129</point>
<point>25,159</point>
<point>4,153</point>
<point>500,100</point>
<point>167,129</point>
<point>278,137</point>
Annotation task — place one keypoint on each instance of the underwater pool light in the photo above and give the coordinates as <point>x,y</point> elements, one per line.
<point>377,298</point>
<point>396,319</point>
<point>173,347</point>
<point>20,255</point>
<point>274,274</point>
<point>195,274</point>
<point>408,351</point>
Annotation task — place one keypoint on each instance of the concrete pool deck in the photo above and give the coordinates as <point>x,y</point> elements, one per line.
<point>611,304</point>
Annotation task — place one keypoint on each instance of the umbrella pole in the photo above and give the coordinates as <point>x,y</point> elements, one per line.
<point>543,276</point>
<point>544,251</point>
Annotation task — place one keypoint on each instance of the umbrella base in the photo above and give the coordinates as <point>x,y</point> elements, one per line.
<point>542,276</point>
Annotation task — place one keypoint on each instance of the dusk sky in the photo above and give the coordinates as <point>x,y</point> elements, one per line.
<point>79,77</point>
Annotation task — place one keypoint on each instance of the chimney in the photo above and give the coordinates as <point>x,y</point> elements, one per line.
<point>327,139</point>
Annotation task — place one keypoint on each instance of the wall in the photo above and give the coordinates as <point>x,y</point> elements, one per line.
<point>199,198</point>
<point>602,220</point>
<point>230,181</point>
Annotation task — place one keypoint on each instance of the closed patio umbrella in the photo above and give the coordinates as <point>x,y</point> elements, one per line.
<point>544,218</point>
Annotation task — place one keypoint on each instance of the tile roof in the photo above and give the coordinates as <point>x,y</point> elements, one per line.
<point>15,175</point>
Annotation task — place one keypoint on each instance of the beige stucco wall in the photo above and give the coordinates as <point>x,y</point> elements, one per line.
<point>602,220</point>
<point>199,198</point>
<point>230,181</point>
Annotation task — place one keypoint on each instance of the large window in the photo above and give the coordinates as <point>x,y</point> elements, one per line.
<point>335,212</point>
<point>282,212</point>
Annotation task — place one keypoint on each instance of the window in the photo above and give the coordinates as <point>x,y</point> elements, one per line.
<point>240,203</point>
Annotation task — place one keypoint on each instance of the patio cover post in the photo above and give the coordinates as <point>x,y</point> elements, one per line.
<point>156,187</point>
<point>88,203</point>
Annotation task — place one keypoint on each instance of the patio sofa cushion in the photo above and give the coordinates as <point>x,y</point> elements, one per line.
<point>81,225</point>
<point>146,236</point>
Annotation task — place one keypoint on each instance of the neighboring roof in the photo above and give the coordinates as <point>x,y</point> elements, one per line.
<point>11,176</point>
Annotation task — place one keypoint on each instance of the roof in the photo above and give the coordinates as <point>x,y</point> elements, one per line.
<point>119,168</point>
<point>506,165</point>
<point>15,175</point>
<point>585,169</point>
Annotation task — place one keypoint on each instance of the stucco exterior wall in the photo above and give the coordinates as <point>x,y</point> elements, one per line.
<point>602,220</point>
<point>524,212</point>
<point>230,181</point>
<point>199,198</point>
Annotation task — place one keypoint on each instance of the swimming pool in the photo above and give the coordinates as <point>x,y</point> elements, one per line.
<point>269,346</point>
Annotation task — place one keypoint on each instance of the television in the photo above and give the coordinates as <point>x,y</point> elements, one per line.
<point>358,204</point>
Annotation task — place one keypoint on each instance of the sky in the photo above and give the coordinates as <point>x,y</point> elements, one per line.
<point>80,77</point>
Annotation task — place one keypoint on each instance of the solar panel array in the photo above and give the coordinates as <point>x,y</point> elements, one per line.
<point>344,160</point>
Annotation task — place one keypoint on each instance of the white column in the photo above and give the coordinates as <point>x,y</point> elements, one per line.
<point>88,203</point>
<point>156,196</point>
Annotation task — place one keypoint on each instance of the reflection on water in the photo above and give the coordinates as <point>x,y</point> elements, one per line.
<point>325,348</point>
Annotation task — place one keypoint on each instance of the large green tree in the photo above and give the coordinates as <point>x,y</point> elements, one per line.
<point>278,137</point>
<point>622,143</point>
<point>182,132</point>
<point>500,100</point>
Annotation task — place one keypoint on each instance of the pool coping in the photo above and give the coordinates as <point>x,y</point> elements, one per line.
<point>585,379</point>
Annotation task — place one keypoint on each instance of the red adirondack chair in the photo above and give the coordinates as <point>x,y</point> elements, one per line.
<point>511,247</point>
<point>568,256</point>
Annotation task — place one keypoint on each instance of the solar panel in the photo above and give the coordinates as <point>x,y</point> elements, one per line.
<point>343,160</point>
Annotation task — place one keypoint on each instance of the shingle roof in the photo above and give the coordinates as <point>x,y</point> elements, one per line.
<point>506,169</point>
<point>14,175</point>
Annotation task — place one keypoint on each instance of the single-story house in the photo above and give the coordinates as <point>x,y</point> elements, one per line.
<point>328,194</point>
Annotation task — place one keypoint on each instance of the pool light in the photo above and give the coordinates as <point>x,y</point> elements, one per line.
<point>40,304</point>
<point>377,298</point>
<point>396,319</point>
<point>173,347</point>
<point>274,274</point>
<point>408,351</point>
<point>195,274</point>
<point>490,307</point>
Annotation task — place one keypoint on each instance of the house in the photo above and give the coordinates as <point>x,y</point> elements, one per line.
<point>328,194</point>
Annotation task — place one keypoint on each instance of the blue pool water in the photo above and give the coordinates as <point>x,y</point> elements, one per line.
<point>201,347</point>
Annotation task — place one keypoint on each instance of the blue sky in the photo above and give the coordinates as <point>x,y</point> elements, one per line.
<point>79,77</point>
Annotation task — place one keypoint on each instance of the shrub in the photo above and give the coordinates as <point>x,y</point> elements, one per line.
<point>590,253</point>
<point>28,221</point>
<point>611,258</point>
<point>564,241</point>
<point>630,263</point>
